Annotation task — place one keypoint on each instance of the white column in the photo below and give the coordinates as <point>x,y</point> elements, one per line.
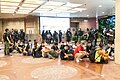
<point>117,32</point>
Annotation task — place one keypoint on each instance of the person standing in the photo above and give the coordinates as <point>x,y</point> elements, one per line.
<point>60,36</point>
<point>68,36</point>
<point>6,42</point>
<point>22,35</point>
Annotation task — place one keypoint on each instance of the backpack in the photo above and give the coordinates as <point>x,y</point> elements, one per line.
<point>92,55</point>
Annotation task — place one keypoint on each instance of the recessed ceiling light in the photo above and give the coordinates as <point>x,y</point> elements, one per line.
<point>79,9</point>
<point>103,12</point>
<point>100,6</point>
<point>87,15</point>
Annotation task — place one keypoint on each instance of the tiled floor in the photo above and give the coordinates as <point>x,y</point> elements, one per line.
<point>20,67</point>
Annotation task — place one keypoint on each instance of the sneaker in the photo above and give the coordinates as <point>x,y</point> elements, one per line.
<point>111,58</point>
<point>81,59</point>
<point>77,60</point>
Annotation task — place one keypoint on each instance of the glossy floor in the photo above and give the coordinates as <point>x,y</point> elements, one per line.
<point>19,67</point>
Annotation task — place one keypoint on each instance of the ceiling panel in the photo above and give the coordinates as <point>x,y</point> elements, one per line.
<point>40,12</point>
<point>10,0</point>
<point>8,7</point>
<point>49,7</point>
<point>34,2</point>
<point>45,9</point>
<point>64,8</point>
<point>30,5</point>
<point>68,4</point>
<point>9,4</point>
<point>76,7</point>
<point>79,9</point>
<point>53,3</point>
<point>71,11</point>
<point>26,8</point>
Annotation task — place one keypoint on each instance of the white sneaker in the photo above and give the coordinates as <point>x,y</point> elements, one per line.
<point>77,60</point>
<point>111,58</point>
<point>81,59</point>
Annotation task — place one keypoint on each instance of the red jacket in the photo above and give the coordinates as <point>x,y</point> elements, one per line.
<point>79,48</point>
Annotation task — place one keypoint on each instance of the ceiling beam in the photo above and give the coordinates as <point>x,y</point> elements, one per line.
<point>20,4</point>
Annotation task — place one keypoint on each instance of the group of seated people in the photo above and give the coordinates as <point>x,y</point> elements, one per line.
<point>66,51</point>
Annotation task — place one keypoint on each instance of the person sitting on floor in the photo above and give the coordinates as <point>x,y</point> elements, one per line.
<point>101,56</point>
<point>62,45</point>
<point>75,45</point>
<point>55,51</point>
<point>19,46</point>
<point>36,52</point>
<point>79,52</point>
<point>88,47</point>
<point>66,54</point>
<point>110,50</point>
<point>46,52</point>
<point>27,50</point>
<point>11,48</point>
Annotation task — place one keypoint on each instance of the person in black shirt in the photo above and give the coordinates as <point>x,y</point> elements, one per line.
<point>66,54</point>
<point>6,42</point>
<point>22,35</point>
<point>68,36</point>
<point>55,50</point>
<point>60,36</point>
<point>62,46</point>
<point>37,51</point>
<point>88,47</point>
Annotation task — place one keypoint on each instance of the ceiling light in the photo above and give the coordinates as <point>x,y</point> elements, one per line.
<point>8,10</point>
<point>9,4</point>
<point>40,11</point>
<point>43,9</point>
<point>2,11</point>
<point>103,12</point>
<point>10,0</point>
<point>64,8</point>
<point>34,2</point>
<point>8,7</point>
<point>23,10</point>
<point>49,7</point>
<point>71,11</point>
<point>72,5</point>
<point>26,8</point>
<point>53,3</point>
<point>100,6</point>
<point>54,12</point>
<point>30,5</point>
<point>79,9</point>
<point>87,15</point>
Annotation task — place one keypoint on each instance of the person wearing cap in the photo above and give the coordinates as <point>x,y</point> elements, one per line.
<point>80,52</point>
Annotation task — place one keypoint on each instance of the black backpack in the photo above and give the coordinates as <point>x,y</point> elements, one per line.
<point>92,55</point>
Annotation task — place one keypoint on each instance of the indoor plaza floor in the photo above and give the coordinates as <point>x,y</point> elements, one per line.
<point>19,67</point>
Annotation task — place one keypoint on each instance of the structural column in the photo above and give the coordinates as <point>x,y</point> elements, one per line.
<point>117,32</point>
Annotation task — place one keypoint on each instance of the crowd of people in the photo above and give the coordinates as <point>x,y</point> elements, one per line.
<point>92,43</point>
